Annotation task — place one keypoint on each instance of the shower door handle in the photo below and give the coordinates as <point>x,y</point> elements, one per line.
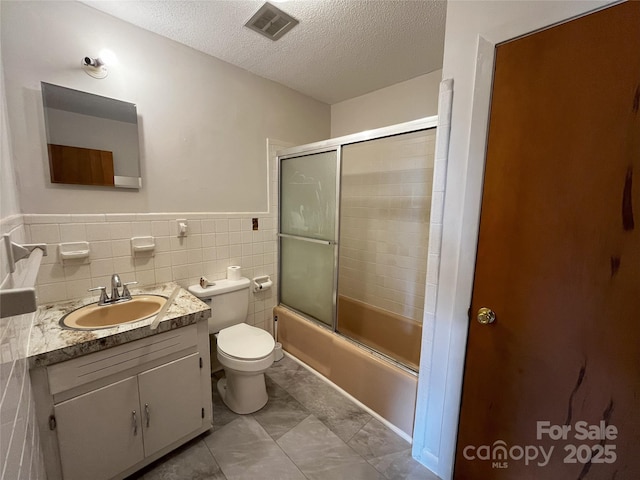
<point>307,239</point>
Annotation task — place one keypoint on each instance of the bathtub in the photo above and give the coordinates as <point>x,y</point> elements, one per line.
<point>388,390</point>
<point>394,335</point>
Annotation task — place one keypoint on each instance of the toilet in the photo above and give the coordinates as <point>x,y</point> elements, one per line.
<point>245,352</point>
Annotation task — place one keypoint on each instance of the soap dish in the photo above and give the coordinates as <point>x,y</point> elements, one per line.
<point>78,252</point>
<point>143,246</point>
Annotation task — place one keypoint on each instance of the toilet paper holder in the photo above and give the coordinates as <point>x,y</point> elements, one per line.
<point>262,283</point>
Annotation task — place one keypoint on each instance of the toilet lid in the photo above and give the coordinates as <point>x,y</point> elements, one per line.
<point>245,342</point>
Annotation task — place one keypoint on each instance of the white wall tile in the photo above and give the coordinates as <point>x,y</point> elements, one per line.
<point>194,255</point>
<point>163,274</point>
<point>141,229</point>
<point>163,244</point>
<point>222,252</point>
<point>162,260</point>
<point>160,228</point>
<point>122,265</point>
<point>121,230</point>
<point>145,277</point>
<point>208,226</point>
<point>195,227</point>
<point>51,292</point>
<point>222,239</point>
<point>234,225</point>
<point>194,241</point>
<point>179,258</point>
<point>121,248</point>
<point>100,249</point>
<point>77,272</point>
<point>208,254</point>
<point>178,243</point>
<point>143,263</point>
<point>73,232</point>
<point>102,267</point>
<point>78,288</point>
<point>45,233</point>
<point>97,231</point>
<point>208,240</point>
<point>222,225</point>
<point>235,250</point>
<point>51,273</point>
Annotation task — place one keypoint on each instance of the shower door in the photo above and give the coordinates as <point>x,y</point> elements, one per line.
<point>308,234</point>
<point>354,235</point>
<point>385,205</point>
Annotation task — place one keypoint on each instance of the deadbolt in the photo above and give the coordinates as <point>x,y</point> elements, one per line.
<point>486,316</point>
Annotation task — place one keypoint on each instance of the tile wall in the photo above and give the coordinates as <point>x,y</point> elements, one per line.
<point>384,228</point>
<point>213,243</point>
<point>20,455</point>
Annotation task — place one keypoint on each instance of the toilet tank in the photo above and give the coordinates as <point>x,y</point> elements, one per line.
<point>229,301</point>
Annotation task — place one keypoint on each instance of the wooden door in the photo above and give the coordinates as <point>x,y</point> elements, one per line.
<point>559,260</point>
<point>99,434</point>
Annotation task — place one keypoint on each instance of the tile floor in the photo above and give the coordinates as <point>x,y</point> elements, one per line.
<point>307,430</point>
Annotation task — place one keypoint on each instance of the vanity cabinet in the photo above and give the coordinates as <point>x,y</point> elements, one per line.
<point>97,436</point>
<point>114,411</point>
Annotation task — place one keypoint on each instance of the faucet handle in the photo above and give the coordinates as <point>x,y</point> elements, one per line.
<point>125,289</point>
<point>103,294</point>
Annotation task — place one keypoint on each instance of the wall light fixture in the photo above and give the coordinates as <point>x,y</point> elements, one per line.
<point>94,67</point>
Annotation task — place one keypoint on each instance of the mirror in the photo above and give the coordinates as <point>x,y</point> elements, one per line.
<point>91,140</point>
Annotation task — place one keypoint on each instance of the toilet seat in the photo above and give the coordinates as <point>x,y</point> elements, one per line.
<point>244,342</point>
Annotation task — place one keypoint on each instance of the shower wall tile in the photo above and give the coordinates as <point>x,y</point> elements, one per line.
<point>385,209</point>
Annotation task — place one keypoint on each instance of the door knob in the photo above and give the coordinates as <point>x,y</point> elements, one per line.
<point>486,316</point>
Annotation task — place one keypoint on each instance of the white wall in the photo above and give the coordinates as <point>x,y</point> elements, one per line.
<point>439,399</point>
<point>8,192</point>
<point>402,102</point>
<point>203,122</point>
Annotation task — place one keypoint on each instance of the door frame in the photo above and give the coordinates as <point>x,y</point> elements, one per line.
<point>439,394</point>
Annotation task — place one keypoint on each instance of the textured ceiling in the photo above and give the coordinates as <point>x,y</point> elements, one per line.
<point>341,49</point>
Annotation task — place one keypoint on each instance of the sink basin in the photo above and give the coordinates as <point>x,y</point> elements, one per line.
<point>92,316</point>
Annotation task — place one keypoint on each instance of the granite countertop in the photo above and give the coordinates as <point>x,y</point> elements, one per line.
<point>50,343</point>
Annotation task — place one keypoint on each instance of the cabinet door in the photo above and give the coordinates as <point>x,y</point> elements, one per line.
<point>171,402</point>
<point>99,434</point>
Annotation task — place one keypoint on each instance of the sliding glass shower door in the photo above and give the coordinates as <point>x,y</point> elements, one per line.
<point>308,234</point>
<point>354,235</point>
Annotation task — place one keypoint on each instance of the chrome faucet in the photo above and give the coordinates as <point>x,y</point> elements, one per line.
<point>115,284</point>
<point>116,296</point>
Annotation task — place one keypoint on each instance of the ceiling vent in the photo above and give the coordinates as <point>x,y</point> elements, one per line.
<point>271,22</point>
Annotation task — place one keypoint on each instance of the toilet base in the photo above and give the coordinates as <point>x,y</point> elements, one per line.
<point>243,393</point>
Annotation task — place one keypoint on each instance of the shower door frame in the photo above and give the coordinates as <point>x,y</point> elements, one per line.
<point>312,151</point>
<point>336,144</point>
